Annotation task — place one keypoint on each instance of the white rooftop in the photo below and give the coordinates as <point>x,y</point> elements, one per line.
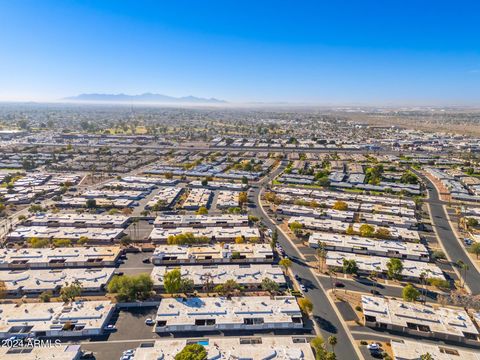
<point>39,280</point>
<point>228,312</point>
<point>437,319</point>
<point>413,350</point>
<point>243,274</point>
<point>366,263</point>
<point>253,348</point>
<point>73,256</point>
<point>53,316</point>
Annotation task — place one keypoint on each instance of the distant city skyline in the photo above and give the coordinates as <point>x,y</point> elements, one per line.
<point>332,53</point>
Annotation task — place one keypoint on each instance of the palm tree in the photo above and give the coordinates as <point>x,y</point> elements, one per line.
<point>426,356</point>
<point>423,281</point>
<point>285,263</point>
<point>465,268</point>
<point>332,340</point>
<point>322,255</point>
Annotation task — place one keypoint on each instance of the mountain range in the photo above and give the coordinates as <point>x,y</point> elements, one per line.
<point>146,97</point>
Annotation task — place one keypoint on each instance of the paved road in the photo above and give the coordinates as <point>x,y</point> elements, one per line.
<point>324,313</point>
<point>447,237</point>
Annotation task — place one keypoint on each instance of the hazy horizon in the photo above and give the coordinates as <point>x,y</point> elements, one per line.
<point>325,54</point>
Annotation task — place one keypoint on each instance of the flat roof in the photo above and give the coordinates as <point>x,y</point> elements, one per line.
<point>255,348</point>
<point>56,352</point>
<point>219,233</point>
<point>413,350</point>
<point>244,274</point>
<point>52,316</point>
<point>198,197</point>
<point>213,251</point>
<point>362,243</point>
<point>38,257</point>
<point>448,321</point>
<point>202,220</point>
<point>76,220</point>
<point>411,268</point>
<point>185,311</point>
<point>72,233</point>
<point>38,280</point>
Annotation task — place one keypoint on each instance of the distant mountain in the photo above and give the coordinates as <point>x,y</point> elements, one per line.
<point>147,97</point>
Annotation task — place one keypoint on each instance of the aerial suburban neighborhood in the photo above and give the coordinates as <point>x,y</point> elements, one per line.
<point>239,180</point>
<point>145,239</point>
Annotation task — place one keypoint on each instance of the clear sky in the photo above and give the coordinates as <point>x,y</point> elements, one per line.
<point>325,52</point>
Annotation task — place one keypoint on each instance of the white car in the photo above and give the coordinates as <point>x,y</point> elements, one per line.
<point>373,346</point>
<point>128,352</point>
<point>149,322</point>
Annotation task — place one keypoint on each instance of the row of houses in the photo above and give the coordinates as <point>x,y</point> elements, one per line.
<point>234,347</point>
<point>426,321</point>
<point>346,196</point>
<point>336,226</point>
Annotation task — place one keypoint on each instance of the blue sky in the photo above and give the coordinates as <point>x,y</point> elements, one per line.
<point>325,52</point>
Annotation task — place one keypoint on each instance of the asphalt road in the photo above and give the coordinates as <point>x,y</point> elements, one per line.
<point>448,239</point>
<point>324,313</point>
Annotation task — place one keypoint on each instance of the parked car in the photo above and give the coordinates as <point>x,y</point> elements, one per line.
<point>111,327</point>
<point>373,346</point>
<point>88,355</point>
<point>149,321</point>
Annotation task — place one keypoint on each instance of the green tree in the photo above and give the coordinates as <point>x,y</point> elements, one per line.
<point>192,352</point>
<point>37,243</point>
<point>394,268</point>
<point>438,255</point>
<point>271,286</point>
<point>83,240</point>
<point>409,178</point>
<point>367,230</point>
<point>242,198</point>
<point>45,296</point>
<point>62,243</point>
<point>131,288</point>
<point>296,227</point>
<point>472,222</point>
<point>228,288</point>
<point>340,205</point>
<point>175,283</point>
<point>70,292</point>
<point>186,239</point>
<point>286,263</point>
<point>350,266</point>
<point>91,203</point>
<point>439,283</point>
<point>426,356</point>
<point>202,211</point>
<point>382,233</point>
<point>318,344</point>
<point>410,293</point>
<point>475,248</point>
<point>332,340</point>
<point>35,208</point>
<point>305,305</point>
